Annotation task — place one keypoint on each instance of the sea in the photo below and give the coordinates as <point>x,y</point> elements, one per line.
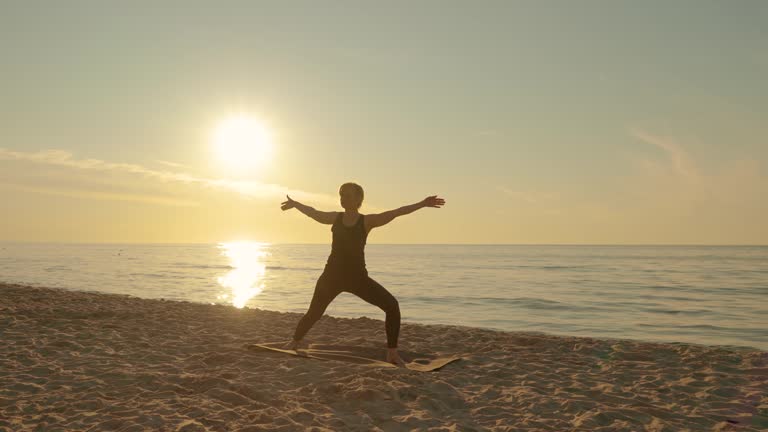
<point>710,295</point>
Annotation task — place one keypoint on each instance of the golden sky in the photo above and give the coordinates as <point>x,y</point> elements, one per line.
<point>601,123</point>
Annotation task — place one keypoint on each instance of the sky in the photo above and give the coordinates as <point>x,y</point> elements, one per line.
<point>539,122</point>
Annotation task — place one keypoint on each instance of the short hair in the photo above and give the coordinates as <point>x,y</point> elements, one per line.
<point>358,189</point>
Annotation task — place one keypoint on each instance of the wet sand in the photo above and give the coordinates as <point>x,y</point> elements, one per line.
<point>100,362</point>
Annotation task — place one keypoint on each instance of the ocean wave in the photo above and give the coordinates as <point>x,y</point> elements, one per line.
<point>294,268</point>
<point>694,312</point>
<point>518,302</point>
<point>203,266</point>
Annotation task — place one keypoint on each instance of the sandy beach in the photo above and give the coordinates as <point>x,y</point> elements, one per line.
<point>86,361</point>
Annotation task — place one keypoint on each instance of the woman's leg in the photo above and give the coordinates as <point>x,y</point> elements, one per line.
<point>324,294</point>
<point>375,294</point>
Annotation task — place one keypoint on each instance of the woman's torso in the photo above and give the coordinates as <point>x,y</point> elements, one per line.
<point>348,247</point>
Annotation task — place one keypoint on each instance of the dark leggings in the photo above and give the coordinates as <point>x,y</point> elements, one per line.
<point>332,283</point>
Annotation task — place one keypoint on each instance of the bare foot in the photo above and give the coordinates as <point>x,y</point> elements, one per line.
<point>394,358</point>
<point>296,345</point>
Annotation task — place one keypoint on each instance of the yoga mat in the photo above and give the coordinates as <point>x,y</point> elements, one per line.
<point>360,355</point>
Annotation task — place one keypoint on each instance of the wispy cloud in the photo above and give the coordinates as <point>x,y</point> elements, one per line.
<point>109,196</point>
<point>170,164</point>
<point>247,188</point>
<point>676,182</point>
<point>681,161</point>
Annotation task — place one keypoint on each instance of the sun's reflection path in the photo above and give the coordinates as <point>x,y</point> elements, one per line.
<point>245,280</point>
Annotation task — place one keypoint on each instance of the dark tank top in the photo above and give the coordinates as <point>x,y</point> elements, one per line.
<point>348,245</point>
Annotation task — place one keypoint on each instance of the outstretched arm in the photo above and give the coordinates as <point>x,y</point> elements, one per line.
<point>377,220</point>
<point>320,216</point>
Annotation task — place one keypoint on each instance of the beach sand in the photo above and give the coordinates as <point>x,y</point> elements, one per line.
<point>99,362</point>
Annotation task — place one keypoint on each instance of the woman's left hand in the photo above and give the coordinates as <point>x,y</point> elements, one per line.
<point>433,201</point>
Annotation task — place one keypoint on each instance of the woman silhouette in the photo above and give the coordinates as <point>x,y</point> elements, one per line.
<point>345,269</point>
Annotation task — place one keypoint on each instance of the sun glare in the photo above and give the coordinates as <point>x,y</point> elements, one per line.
<point>242,142</point>
<point>245,280</point>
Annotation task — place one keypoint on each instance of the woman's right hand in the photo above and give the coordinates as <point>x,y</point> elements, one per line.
<point>287,205</point>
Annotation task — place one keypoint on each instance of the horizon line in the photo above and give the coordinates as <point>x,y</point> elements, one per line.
<point>383,244</point>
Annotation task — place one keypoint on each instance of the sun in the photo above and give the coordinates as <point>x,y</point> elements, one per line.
<point>241,142</point>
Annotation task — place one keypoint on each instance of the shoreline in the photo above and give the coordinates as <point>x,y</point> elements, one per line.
<point>80,360</point>
<point>434,324</point>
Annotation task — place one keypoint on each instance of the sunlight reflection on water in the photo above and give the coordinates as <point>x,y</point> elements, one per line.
<point>245,280</point>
